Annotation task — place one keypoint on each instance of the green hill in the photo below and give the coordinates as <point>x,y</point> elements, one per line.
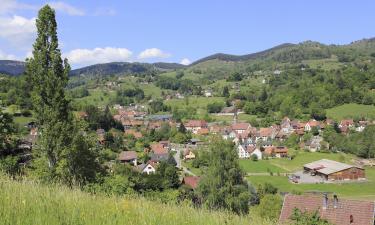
<point>31,203</point>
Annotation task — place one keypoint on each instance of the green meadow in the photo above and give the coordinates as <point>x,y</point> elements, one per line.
<point>28,202</point>
<point>351,110</point>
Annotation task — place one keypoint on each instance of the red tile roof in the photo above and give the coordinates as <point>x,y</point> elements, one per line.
<point>361,212</point>
<point>241,126</point>
<point>191,181</point>
<point>158,149</point>
<point>203,131</point>
<point>196,123</point>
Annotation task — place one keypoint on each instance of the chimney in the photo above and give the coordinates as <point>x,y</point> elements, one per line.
<point>335,201</point>
<point>325,200</point>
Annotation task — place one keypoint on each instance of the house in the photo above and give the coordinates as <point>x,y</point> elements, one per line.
<point>334,210</point>
<point>241,127</point>
<point>191,181</point>
<point>208,93</point>
<point>314,144</point>
<point>128,157</point>
<point>286,125</point>
<point>246,151</point>
<point>101,135</point>
<point>82,115</point>
<point>195,125</point>
<point>159,153</point>
<point>265,134</point>
<point>203,131</point>
<point>310,124</point>
<point>134,133</point>
<point>188,154</point>
<point>147,168</point>
<point>277,72</point>
<point>276,151</point>
<point>334,171</point>
<point>346,123</point>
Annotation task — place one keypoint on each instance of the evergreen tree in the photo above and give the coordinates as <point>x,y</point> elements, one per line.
<point>223,186</point>
<point>226,92</point>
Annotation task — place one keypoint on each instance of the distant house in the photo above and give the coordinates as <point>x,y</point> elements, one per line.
<point>128,157</point>
<point>346,123</point>
<point>188,154</point>
<point>134,133</point>
<point>314,144</point>
<point>241,127</point>
<point>312,123</point>
<point>101,135</point>
<point>246,151</point>
<point>277,72</point>
<point>159,153</point>
<point>336,211</point>
<point>203,131</point>
<point>334,171</point>
<point>195,125</point>
<point>147,168</point>
<point>208,93</point>
<point>276,151</point>
<point>191,181</point>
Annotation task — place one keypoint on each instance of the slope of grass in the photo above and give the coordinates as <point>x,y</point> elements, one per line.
<point>351,111</point>
<point>260,166</point>
<point>32,203</point>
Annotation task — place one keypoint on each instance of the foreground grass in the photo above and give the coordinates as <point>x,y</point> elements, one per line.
<point>351,110</point>
<point>32,203</point>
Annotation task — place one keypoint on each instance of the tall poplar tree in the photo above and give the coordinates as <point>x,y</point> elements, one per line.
<point>223,186</point>
<point>48,74</point>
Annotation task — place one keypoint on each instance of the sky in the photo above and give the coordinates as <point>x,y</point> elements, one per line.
<point>97,31</point>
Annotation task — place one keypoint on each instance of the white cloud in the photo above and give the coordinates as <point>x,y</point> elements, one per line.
<point>185,61</point>
<point>18,30</point>
<point>10,6</point>
<point>66,8</point>
<point>153,53</point>
<point>98,55</point>
<point>4,56</point>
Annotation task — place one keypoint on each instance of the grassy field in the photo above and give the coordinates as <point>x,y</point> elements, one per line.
<point>260,166</point>
<point>97,97</point>
<point>351,111</point>
<point>241,117</point>
<point>32,203</point>
<point>200,103</point>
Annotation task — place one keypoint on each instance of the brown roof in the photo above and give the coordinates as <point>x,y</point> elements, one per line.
<point>135,133</point>
<point>251,148</point>
<point>313,123</point>
<point>196,123</point>
<point>361,212</point>
<point>158,149</point>
<point>203,131</point>
<point>265,132</point>
<point>191,181</point>
<point>240,126</point>
<point>348,122</point>
<point>127,155</point>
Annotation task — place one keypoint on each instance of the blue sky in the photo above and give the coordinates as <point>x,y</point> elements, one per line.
<point>165,30</point>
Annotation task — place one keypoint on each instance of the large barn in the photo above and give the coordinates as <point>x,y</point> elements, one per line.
<point>334,171</point>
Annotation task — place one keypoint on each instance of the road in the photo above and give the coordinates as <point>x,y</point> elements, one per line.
<point>179,150</point>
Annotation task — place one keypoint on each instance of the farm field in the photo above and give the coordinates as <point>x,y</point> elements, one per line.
<point>100,97</point>
<point>351,111</point>
<point>260,166</point>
